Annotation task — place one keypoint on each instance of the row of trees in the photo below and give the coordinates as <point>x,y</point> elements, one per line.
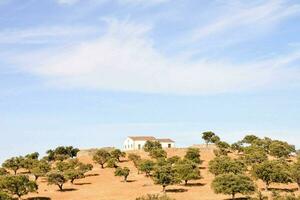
<point>57,167</point>
<point>265,159</point>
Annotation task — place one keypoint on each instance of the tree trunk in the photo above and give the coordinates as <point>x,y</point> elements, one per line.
<point>125,178</point>
<point>298,185</point>
<point>267,186</point>
<point>164,188</point>
<point>102,166</point>
<point>15,171</point>
<point>36,177</point>
<point>60,187</point>
<point>233,195</point>
<point>186,182</point>
<point>72,181</point>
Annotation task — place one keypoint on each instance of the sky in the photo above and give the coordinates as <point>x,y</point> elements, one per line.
<point>88,73</point>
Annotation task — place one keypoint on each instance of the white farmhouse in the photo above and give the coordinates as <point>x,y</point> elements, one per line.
<point>138,142</point>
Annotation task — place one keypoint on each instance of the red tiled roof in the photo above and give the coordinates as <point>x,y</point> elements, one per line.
<point>142,138</point>
<point>165,140</point>
<point>145,138</point>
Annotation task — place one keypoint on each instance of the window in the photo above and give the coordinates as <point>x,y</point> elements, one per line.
<point>169,145</point>
<point>139,146</point>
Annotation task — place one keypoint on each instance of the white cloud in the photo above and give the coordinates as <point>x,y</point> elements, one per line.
<point>125,59</point>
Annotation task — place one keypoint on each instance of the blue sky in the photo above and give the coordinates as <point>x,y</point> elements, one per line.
<point>90,72</point>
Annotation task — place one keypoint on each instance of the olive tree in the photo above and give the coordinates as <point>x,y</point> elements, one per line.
<point>101,157</point>
<point>254,154</point>
<point>273,171</point>
<point>14,164</point>
<point>57,178</point>
<point>117,154</point>
<point>193,154</point>
<point>165,175</point>
<point>232,184</point>
<point>18,185</point>
<point>146,166</point>
<point>207,137</point>
<point>151,145</point>
<point>187,170</point>
<point>281,149</point>
<point>122,172</point>
<point>295,172</point>
<point>41,168</point>
<point>225,165</point>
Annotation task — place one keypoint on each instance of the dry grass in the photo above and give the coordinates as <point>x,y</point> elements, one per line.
<point>103,185</point>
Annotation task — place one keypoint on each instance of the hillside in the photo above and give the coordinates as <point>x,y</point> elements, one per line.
<point>101,184</point>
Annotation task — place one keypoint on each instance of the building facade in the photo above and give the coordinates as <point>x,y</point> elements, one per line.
<point>138,142</point>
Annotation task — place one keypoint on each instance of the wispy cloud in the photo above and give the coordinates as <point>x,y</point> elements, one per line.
<point>42,34</point>
<point>125,59</point>
<point>255,17</point>
<point>134,2</point>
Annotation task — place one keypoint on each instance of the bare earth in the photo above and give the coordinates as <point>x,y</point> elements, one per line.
<point>103,185</point>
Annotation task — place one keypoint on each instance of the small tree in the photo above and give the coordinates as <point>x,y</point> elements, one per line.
<point>272,172</point>
<point>187,170</point>
<point>146,166</point>
<point>101,157</point>
<point>165,175</point>
<point>232,184</point>
<point>73,174</point>
<point>40,169</point>
<point>295,172</point>
<point>151,145</point>
<point>136,159</point>
<point>13,164</point>
<point>122,172</point>
<point>207,137</point>
<point>112,163</point>
<point>17,185</point>
<point>193,154</point>
<point>117,153</point>
<point>225,165</point>
<point>57,178</point>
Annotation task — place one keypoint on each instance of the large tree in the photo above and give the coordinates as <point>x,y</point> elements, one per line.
<point>18,185</point>
<point>187,170</point>
<point>274,171</point>
<point>281,149</point>
<point>225,165</point>
<point>232,184</point>
<point>101,157</point>
<point>165,175</point>
<point>14,164</point>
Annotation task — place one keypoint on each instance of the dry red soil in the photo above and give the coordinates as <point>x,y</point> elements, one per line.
<point>103,185</point>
